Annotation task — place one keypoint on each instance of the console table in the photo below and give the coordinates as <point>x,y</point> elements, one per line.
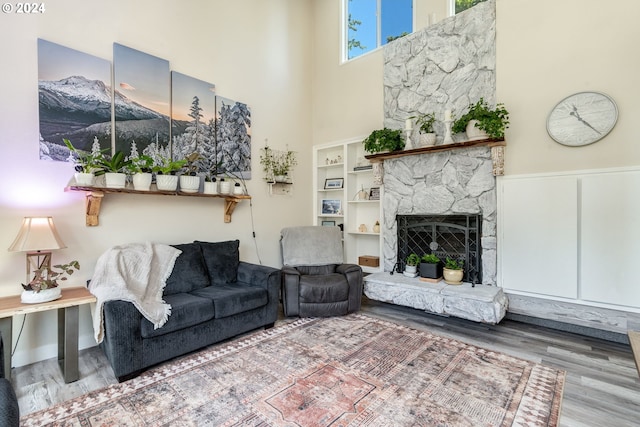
<point>68,309</point>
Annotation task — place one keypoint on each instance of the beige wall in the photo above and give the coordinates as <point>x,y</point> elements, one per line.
<point>255,51</point>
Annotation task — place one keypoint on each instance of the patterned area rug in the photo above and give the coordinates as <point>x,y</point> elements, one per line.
<point>344,371</point>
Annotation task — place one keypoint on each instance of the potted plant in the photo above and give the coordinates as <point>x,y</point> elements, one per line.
<point>492,121</point>
<point>412,264</point>
<point>425,128</point>
<point>210,185</point>
<point>165,170</point>
<point>87,164</point>
<point>430,266</point>
<point>277,164</point>
<point>384,140</point>
<point>114,168</point>
<point>140,170</point>
<point>452,271</point>
<point>44,285</point>
<point>190,181</point>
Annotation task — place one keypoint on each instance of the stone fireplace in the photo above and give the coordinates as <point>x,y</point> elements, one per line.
<point>459,183</point>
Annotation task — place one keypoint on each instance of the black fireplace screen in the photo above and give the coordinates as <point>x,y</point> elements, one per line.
<point>453,236</point>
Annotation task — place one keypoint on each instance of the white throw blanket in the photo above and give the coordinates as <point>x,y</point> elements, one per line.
<point>137,273</point>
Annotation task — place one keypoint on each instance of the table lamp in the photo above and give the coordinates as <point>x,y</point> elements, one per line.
<point>37,236</point>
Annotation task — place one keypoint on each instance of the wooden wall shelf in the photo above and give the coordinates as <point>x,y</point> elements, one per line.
<point>96,194</point>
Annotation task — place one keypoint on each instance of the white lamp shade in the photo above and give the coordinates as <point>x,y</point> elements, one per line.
<point>37,234</point>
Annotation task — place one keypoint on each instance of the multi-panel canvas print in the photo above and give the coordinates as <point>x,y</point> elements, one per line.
<point>233,137</point>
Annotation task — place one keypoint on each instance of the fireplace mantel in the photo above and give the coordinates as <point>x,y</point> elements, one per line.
<point>496,145</point>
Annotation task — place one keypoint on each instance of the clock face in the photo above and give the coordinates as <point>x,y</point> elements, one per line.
<point>582,118</point>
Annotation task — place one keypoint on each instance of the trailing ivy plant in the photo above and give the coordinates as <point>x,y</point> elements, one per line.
<point>492,121</point>
<point>384,140</point>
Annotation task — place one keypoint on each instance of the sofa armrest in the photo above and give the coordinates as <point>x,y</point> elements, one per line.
<point>122,342</point>
<point>265,277</point>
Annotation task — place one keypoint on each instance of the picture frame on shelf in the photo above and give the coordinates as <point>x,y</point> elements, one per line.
<point>333,183</point>
<point>331,207</point>
<point>328,223</point>
<point>374,193</point>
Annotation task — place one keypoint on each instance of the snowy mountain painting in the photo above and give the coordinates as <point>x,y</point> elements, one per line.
<point>142,92</point>
<point>233,137</point>
<point>74,90</point>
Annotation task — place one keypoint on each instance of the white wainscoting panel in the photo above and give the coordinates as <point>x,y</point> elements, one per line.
<point>610,238</point>
<point>538,235</point>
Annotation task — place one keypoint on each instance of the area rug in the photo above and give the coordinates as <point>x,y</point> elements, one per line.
<point>342,371</point>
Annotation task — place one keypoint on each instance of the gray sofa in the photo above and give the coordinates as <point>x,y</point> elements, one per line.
<point>213,296</point>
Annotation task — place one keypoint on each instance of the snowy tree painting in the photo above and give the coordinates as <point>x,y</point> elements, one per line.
<point>193,121</point>
<point>74,91</point>
<point>142,107</point>
<point>233,137</point>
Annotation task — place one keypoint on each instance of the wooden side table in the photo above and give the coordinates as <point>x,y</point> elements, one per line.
<point>68,309</point>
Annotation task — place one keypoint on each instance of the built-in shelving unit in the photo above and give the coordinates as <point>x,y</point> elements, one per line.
<point>96,194</point>
<point>341,160</point>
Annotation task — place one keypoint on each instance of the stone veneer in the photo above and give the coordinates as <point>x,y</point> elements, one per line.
<point>446,66</point>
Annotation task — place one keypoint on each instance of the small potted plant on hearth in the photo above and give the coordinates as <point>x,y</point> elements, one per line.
<point>430,267</point>
<point>44,285</point>
<point>411,267</point>
<point>453,271</point>
<point>482,121</point>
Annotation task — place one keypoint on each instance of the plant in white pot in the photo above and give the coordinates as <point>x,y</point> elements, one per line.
<point>189,180</point>
<point>482,121</point>
<point>140,169</point>
<point>114,170</point>
<point>453,271</point>
<point>44,285</point>
<point>411,267</point>
<point>87,165</point>
<point>425,125</point>
<point>166,178</point>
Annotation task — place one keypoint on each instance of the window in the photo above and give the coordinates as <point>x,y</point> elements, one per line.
<point>373,23</point>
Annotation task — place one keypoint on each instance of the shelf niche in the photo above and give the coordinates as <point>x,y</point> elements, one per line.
<point>95,195</point>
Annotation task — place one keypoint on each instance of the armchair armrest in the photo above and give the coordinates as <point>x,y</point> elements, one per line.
<point>353,273</point>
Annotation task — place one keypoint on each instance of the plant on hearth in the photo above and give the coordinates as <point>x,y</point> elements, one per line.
<point>493,121</point>
<point>430,259</point>
<point>47,277</point>
<point>453,264</point>
<point>430,266</point>
<point>413,259</point>
<point>384,140</point>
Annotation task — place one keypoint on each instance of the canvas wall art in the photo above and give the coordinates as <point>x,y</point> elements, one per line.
<point>233,137</point>
<point>141,100</point>
<point>74,91</point>
<point>193,113</point>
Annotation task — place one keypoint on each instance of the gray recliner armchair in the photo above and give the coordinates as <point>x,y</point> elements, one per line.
<point>315,280</point>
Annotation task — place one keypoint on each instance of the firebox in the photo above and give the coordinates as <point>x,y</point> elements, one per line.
<point>455,236</point>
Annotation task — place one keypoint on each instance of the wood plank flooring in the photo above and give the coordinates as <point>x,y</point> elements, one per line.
<point>602,385</point>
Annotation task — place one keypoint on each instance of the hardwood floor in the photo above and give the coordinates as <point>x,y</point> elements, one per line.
<point>602,385</point>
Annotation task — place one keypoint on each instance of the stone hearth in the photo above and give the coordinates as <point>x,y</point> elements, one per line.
<point>482,303</point>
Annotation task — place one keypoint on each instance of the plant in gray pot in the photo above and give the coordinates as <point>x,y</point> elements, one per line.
<point>430,266</point>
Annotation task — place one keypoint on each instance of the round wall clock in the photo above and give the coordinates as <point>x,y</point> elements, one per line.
<point>582,118</point>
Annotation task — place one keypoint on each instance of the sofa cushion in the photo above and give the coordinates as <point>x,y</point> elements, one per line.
<point>229,299</point>
<point>189,271</point>
<point>221,259</point>
<point>186,310</point>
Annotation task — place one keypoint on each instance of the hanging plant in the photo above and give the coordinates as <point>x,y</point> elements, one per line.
<point>277,163</point>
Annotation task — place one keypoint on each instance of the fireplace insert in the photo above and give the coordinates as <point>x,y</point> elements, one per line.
<point>456,236</point>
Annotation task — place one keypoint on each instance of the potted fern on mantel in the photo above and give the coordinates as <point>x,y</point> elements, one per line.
<point>482,121</point>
